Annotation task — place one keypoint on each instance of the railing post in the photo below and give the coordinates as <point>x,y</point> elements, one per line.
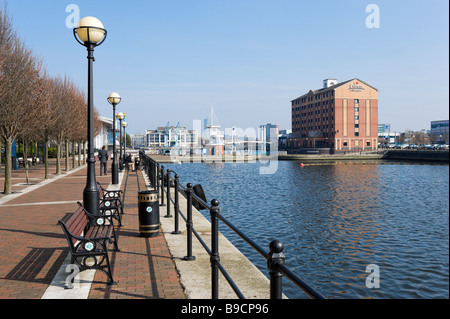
<point>148,168</point>
<point>176,206</point>
<point>157,176</point>
<point>168,215</point>
<point>276,257</point>
<point>215,258</point>
<point>148,165</point>
<point>189,224</point>
<point>161,177</point>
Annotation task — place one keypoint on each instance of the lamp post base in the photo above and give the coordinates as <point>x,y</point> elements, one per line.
<point>91,201</point>
<point>115,173</point>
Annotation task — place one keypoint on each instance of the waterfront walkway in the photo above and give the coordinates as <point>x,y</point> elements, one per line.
<point>33,247</point>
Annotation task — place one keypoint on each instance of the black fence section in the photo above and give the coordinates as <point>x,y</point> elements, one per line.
<point>161,180</point>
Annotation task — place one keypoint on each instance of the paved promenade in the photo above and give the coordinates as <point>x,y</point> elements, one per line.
<point>33,247</point>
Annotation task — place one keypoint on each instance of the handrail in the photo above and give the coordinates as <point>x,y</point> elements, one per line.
<point>275,257</point>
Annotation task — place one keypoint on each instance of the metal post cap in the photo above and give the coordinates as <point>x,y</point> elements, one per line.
<point>214,202</point>
<point>276,246</point>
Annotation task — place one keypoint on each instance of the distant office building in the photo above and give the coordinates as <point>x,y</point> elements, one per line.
<point>386,137</point>
<point>266,130</point>
<point>283,136</point>
<point>155,138</point>
<point>339,116</point>
<point>439,131</point>
<point>268,137</point>
<point>384,128</point>
<point>138,140</point>
<point>171,136</point>
<point>284,132</point>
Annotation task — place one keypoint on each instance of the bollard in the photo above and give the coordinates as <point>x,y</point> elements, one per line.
<point>176,206</point>
<point>189,191</point>
<point>215,258</point>
<point>276,257</point>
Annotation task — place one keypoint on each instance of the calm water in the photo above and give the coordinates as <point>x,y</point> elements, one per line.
<point>335,220</point>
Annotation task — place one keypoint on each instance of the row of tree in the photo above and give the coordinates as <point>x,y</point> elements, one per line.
<point>35,106</point>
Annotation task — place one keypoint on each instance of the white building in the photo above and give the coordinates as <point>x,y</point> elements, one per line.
<point>171,136</point>
<point>390,138</point>
<point>105,135</point>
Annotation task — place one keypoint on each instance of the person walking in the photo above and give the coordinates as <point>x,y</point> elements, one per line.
<point>103,157</point>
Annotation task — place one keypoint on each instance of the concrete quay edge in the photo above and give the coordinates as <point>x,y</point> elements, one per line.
<point>195,275</point>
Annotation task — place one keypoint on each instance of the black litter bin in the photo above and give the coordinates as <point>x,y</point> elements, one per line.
<point>137,162</point>
<point>148,213</point>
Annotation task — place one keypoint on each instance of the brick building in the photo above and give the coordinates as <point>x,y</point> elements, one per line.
<point>338,117</point>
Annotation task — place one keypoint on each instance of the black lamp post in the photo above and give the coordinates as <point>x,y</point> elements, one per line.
<point>114,99</point>
<point>120,117</point>
<point>90,33</point>
<point>124,125</point>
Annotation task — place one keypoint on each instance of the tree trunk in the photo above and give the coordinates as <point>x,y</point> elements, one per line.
<point>8,164</point>
<point>67,155</point>
<point>84,153</point>
<point>73,154</point>
<point>79,154</point>
<point>58,158</point>
<point>46,159</point>
<point>25,161</point>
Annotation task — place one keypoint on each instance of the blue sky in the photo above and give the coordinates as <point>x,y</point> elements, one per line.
<point>172,60</point>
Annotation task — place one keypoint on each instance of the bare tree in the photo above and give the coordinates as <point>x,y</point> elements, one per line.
<point>64,113</point>
<point>19,74</point>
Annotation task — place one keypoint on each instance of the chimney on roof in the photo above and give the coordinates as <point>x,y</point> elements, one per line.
<point>329,82</point>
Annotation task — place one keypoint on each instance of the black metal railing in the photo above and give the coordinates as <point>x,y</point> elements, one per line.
<point>161,180</point>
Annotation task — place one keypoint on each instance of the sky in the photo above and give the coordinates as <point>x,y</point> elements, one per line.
<point>172,60</point>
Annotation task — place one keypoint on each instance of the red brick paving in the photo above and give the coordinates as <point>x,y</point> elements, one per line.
<point>33,247</point>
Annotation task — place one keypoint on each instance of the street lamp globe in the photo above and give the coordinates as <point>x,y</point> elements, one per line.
<point>90,31</point>
<point>124,124</point>
<point>114,98</point>
<point>120,116</point>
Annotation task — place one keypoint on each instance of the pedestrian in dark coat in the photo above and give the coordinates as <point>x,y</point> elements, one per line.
<point>103,157</point>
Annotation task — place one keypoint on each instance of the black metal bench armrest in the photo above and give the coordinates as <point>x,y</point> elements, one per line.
<point>91,245</point>
<point>68,233</point>
<point>100,219</point>
<point>109,202</point>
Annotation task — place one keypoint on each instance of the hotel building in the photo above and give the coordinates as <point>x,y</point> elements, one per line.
<point>339,117</point>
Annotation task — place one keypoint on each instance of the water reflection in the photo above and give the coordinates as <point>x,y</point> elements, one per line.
<point>337,219</point>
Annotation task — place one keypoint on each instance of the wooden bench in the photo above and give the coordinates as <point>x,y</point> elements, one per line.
<point>111,202</point>
<point>88,237</point>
